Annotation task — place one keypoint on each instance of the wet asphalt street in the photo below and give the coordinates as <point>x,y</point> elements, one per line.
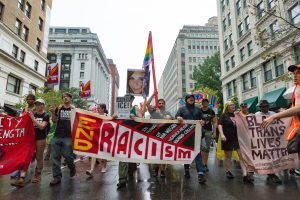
<point>174,186</point>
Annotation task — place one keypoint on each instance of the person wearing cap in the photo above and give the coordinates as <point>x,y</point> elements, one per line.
<point>192,112</point>
<point>244,109</point>
<point>294,112</point>
<point>41,122</point>
<point>208,131</point>
<point>264,110</point>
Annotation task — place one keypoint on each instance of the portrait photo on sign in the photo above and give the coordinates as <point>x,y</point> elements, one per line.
<point>135,82</point>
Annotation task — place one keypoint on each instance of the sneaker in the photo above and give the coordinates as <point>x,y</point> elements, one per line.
<point>47,157</point>
<point>229,175</point>
<point>247,179</point>
<point>162,174</point>
<point>295,172</point>
<point>103,170</point>
<point>72,172</point>
<point>187,174</point>
<point>19,182</point>
<point>89,173</point>
<point>201,179</point>
<point>121,185</point>
<point>55,181</point>
<point>205,168</point>
<point>36,178</point>
<point>273,179</point>
<point>250,175</point>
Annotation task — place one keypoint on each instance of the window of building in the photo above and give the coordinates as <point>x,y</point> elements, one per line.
<point>247,23</point>
<point>297,53</point>
<point>268,71</point>
<point>67,40</point>
<point>25,33</point>
<point>15,50</point>
<point>274,28</point>
<point>65,75</point>
<point>74,30</point>
<point>271,4</point>
<point>226,44</point>
<point>22,56</point>
<point>83,40</point>
<point>227,2</point>
<point>18,26</point>
<point>191,76</point>
<point>13,84</point>
<point>40,23</point>
<point>194,59</point>
<point>82,66</point>
<point>245,82</point>
<point>21,4</point>
<point>36,65</point>
<point>279,69</point>
<point>66,67</point>
<point>191,85</point>
<point>229,90</point>
<point>234,86</point>
<point>238,7</point>
<point>294,13</point>
<point>83,30</point>
<point>230,40</point>
<point>252,78</point>
<point>1,10</point>
<point>32,89</point>
<point>190,67</point>
<point>38,44</point>
<point>224,24</point>
<point>245,3</point>
<point>60,30</point>
<point>28,10</point>
<point>249,48</point>
<point>232,61</point>
<point>240,29</point>
<point>190,59</point>
<point>227,65</point>
<point>242,54</point>
<point>81,74</point>
<point>260,10</point>
<point>228,19</point>
<point>43,5</point>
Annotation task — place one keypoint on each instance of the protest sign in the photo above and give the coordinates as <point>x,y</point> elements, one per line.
<point>123,107</point>
<point>17,143</point>
<point>139,140</point>
<point>264,149</point>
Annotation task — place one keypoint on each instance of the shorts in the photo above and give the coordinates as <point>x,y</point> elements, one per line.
<point>207,139</point>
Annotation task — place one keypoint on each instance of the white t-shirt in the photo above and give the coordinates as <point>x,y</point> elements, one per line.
<point>268,113</point>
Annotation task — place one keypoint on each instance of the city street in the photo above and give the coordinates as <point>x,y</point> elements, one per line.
<point>175,186</point>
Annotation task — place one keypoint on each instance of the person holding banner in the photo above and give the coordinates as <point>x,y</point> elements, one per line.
<point>229,140</point>
<point>101,110</point>
<point>160,113</point>
<point>264,110</point>
<point>62,140</point>
<point>294,111</point>
<point>191,112</point>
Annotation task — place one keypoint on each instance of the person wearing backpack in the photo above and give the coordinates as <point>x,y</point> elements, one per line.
<point>191,112</point>
<point>62,141</point>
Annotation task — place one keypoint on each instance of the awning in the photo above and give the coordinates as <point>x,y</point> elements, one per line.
<point>275,98</point>
<point>289,93</point>
<point>251,103</point>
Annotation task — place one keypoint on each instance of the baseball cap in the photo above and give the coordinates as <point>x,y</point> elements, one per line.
<point>39,101</point>
<point>263,103</point>
<point>243,104</point>
<point>292,68</point>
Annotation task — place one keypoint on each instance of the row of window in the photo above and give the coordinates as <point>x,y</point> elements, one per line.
<point>21,4</point>
<point>249,51</point>
<point>229,63</point>
<point>196,59</point>
<point>70,30</point>
<point>14,85</point>
<point>203,50</point>
<point>15,53</point>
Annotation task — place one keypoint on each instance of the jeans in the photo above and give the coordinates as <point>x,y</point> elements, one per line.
<point>61,147</point>
<point>199,165</point>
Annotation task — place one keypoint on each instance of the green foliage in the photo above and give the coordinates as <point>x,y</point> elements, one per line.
<point>54,97</point>
<point>235,100</point>
<point>207,77</point>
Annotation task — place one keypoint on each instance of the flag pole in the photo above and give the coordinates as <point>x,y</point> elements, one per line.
<point>153,72</point>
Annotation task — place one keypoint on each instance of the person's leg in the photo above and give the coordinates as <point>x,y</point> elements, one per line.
<point>199,167</point>
<point>48,152</point>
<point>103,165</point>
<point>56,160</point>
<point>67,152</point>
<point>93,164</point>
<point>162,169</point>
<point>123,171</point>
<point>227,164</point>
<point>40,147</point>
<point>187,170</point>
<point>205,151</point>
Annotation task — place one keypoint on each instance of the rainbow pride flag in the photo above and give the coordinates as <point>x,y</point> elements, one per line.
<point>146,64</point>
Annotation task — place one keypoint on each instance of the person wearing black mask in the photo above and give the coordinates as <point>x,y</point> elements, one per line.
<point>191,112</point>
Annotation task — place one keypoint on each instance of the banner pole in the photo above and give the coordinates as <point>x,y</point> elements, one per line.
<point>153,72</point>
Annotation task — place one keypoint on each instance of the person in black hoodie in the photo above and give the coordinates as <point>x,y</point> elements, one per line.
<point>191,112</point>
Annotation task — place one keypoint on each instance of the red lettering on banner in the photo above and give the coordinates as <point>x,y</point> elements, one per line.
<point>154,146</point>
<point>169,152</point>
<point>184,153</point>
<point>136,146</point>
<point>106,137</point>
<point>123,142</point>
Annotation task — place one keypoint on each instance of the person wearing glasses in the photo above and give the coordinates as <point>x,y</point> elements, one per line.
<point>135,82</point>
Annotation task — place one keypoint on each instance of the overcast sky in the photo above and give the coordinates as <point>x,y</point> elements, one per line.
<point>123,26</point>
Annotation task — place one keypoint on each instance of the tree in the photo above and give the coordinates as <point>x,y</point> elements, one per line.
<point>54,97</point>
<point>207,77</point>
